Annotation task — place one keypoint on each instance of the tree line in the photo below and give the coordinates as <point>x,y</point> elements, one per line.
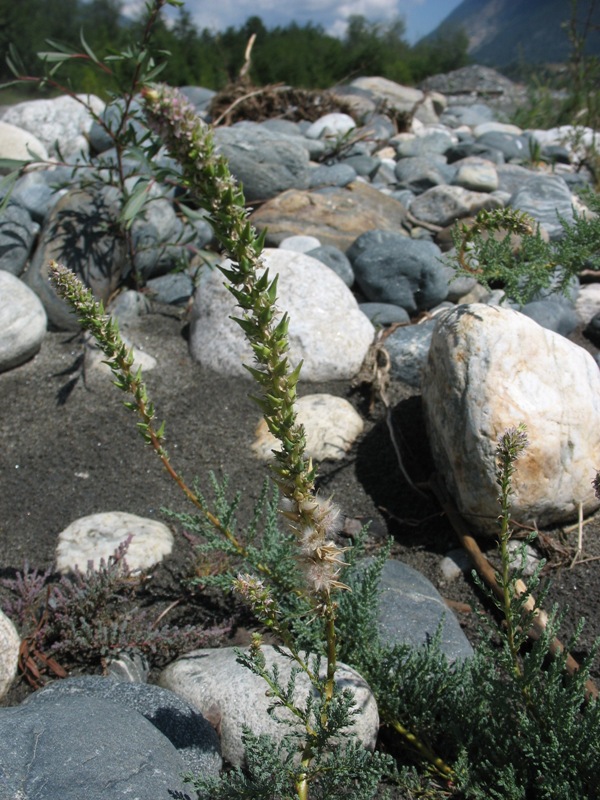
<point>303,56</point>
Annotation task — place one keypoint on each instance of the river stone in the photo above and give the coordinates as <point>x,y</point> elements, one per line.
<point>335,216</point>
<point>331,126</point>
<point>17,234</point>
<point>231,696</point>
<point>331,425</point>
<point>545,197</point>
<point>17,143</point>
<point>441,205</point>
<point>266,163</point>
<point>63,122</point>
<point>327,331</point>
<point>78,235</point>
<point>410,610</point>
<point>75,747</point>
<point>476,174</point>
<point>22,322</point>
<point>10,642</point>
<point>419,173</point>
<point>401,98</point>
<point>188,731</point>
<point>489,369</point>
<point>390,268</point>
<point>408,348</point>
<point>96,537</point>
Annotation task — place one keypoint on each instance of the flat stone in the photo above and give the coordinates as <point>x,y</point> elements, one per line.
<point>335,216</point>
<point>220,688</point>
<point>327,331</point>
<point>441,205</point>
<point>490,369</point>
<point>331,425</point>
<point>189,732</point>
<point>75,747</point>
<point>96,537</point>
<point>410,611</point>
<point>22,322</point>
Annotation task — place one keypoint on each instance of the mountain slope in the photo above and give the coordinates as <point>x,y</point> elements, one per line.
<point>502,32</point>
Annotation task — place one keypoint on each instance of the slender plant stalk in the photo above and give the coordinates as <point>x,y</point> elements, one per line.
<point>313,520</point>
<point>511,444</point>
<point>120,359</point>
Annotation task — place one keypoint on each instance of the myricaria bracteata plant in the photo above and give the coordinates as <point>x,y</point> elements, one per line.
<point>312,519</point>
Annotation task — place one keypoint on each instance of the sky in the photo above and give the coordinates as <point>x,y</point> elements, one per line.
<point>420,16</point>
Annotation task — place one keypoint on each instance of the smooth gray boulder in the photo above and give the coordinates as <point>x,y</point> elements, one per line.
<point>391,268</point>
<point>410,611</point>
<point>189,732</point>
<point>266,163</point>
<point>85,747</point>
<point>327,331</point>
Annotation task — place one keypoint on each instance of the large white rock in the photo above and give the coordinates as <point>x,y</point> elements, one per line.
<point>19,144</point>
<point>10,642</point>
<point>23,322</point>
<point>331,425</point>
<point>62,121</point>
<point>489,369</point>
<point>231,697</point>
<point>96,537</point>
<point>327,330</point>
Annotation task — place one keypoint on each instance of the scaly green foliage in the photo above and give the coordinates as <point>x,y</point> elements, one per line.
<point>528,265</point>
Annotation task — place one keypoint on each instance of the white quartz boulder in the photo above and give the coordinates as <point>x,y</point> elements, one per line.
<point>489,369</point>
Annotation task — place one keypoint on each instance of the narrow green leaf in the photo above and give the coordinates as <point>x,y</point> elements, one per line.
<point>87,48</point>
<point>135,202</point>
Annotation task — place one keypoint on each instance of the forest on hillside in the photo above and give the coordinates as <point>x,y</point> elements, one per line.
<point>301,56</point>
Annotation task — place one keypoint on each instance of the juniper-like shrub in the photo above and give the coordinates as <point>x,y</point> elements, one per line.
<point>487,251</point>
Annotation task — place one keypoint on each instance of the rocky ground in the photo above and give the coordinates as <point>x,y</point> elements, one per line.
<point>70,450</point>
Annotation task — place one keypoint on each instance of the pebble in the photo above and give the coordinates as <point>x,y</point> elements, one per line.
<point>96,537</point>
<point>225,691</point>
<point>331,425</point>
<point>22,322</point>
